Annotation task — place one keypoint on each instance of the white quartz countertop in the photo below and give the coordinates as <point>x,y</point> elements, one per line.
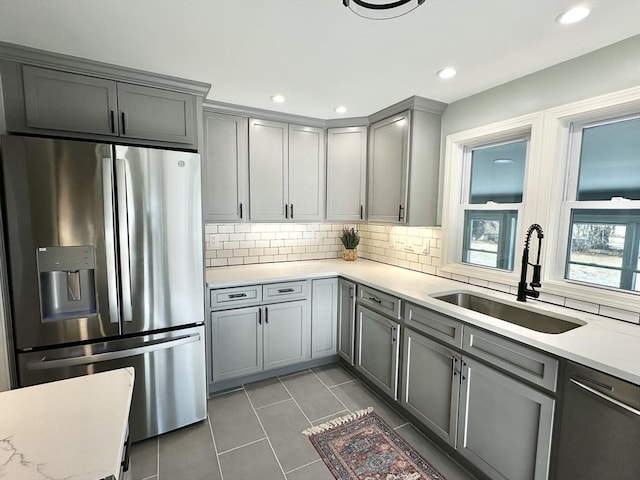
<point>605,344</point>
<point>72,429</point>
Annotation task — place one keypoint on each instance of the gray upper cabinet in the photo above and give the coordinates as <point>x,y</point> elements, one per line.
<point>505,425</point>
<point>306,173</point>
<point>388,163</point>
<point>268,170</point>
<point>286,171</point>
<point>404,162</point>
<point>155,114</point>
<point>346,174</point>
<point>52,99</point>
<point>225,168</point>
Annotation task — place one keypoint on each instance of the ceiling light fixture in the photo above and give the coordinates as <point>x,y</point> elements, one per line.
<point>574,15</point>
<point>278,98</point>
<point>502,161</point>
<point>447,73</point>
<point>340,109</point>
<point>382,9</point>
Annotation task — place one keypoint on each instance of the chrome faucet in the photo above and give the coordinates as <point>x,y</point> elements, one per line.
<point>523,291</point>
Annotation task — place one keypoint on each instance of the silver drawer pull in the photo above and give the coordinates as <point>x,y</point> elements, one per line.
<point>285,290</point>
<point>606,398</point>
<point>237,295</point>
<point>375,299</point>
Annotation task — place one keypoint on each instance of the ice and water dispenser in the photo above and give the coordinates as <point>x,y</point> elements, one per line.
<point>67,282</point>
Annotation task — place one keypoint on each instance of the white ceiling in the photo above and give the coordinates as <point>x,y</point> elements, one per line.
<point>316,52</point>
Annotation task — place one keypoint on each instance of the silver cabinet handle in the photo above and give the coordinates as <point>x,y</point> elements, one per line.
<point>123,224</point>
<point>607,398</point>
<point>44,364</point>
<point>109,238</point>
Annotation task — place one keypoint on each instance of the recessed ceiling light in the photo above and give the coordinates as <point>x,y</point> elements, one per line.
<point>340,109</point>
<point>574,15</point>
<point>502,161</point>
<point>278,98</point>
<point>447,73</point>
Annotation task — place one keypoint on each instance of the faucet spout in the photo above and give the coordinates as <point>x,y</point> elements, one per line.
<point>523,291</point>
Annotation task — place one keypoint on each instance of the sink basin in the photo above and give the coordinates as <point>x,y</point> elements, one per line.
<point>509,313</point>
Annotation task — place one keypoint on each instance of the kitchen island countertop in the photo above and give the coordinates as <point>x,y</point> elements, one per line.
<point>74,428</point>
<point>602,343</point>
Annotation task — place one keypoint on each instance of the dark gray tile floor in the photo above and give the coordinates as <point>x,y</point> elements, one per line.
<point>254,432</point>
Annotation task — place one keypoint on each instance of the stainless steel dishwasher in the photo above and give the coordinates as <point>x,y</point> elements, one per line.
<point>599,427</point>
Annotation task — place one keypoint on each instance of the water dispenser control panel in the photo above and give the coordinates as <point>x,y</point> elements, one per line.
<point>67,282</point>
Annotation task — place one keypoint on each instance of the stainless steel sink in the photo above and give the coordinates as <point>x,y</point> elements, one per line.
<point>510,313</point>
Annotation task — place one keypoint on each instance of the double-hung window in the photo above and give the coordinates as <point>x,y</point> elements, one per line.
<point>601,210</point>
<point>492,200</point>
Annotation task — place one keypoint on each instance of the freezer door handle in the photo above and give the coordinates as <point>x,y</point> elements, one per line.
<point>123,224</point>
<point>44,364</point>
<point>109,235</point>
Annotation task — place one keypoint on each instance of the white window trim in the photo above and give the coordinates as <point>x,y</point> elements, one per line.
<point>555,172</point>
<point>453,196</point>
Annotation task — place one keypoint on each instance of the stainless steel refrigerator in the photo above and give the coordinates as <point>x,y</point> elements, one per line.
<point>105,268</point>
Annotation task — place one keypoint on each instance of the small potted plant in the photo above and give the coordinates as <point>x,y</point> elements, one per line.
<point>350,239</point>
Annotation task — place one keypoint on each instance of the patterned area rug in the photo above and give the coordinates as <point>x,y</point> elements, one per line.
<point>362,447</point>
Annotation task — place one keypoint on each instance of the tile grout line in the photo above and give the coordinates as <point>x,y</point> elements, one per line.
<point>342,383</point>
<point>284,475</point>
<point>295,401</point>
<point>303,466</point>
<point>241,446</point>
<point>215,446</point>
<point>400,426</point>
<point>158,457</point>
<point>331,391</point>
<point>272,404</point>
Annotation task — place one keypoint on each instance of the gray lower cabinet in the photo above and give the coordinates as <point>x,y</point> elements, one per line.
<point>225,176</point>
<point>346,174</point>
<point>346,320</point>
<point>235,339</point>
<point>324,310</point>
<point>505,425</point>
<point>378,349</point>
<point>70,102</point>
<point>286,334</point>
<point>430,384</point>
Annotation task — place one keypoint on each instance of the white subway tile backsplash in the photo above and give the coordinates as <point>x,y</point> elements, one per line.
<point>619,314</point>
<point>582,306</point>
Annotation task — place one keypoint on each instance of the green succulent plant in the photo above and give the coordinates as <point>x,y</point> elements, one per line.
<point>350,238</point>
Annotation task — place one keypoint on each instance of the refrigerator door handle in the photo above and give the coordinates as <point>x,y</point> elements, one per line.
<point>123,224</point>
<point>110,233</point>
<point>44,364</point>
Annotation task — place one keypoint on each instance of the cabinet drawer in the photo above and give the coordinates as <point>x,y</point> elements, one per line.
<point>379,302</point>
<point>285,291</point>
<point>235,296</point>
<point>524,362</point>
<point>443,328</point>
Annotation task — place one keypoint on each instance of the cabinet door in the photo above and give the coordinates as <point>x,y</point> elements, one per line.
<point>378,350</point>
<point>287,336</point>
<point>306,173</point>
<point>504,426</point>
<point>431,384</point>
<point>224,167</point>
<point>324,312</point>
<point>346,173</point>
<point>156,114</point>
<point>236,343</point>
<point>346,320</point>
<point>65,101</point>
<point>388,163</point>
<point>268,170</point>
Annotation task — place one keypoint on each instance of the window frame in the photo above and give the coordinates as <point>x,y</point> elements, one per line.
<point>560,170</point>
<point>457,174</point>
